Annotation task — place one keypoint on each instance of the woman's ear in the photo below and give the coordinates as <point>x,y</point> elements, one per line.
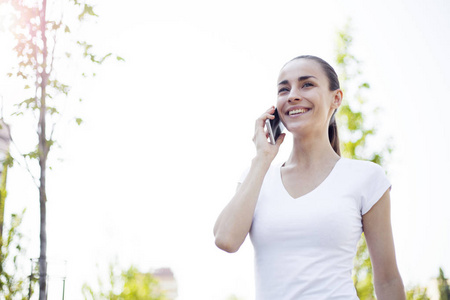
<point>337,98</point>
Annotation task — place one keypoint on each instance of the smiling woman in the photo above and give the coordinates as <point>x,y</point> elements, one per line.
<point>308,82</point>
<point>306,215</point>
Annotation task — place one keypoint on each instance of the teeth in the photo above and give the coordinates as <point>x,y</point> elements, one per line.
<point>298,111</point>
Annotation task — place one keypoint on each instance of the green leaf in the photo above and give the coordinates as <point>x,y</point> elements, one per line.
<point>52,110</point>
<point>32,155</point>
<point>120,58</point>
<point>50,143</point>
<point>79,121</point>
<point>54,25</point>
<point>365,85</point>
<point>22,75</point>
<point>59,86</point>
<point>67,29</point>
<point>27,102</point>
<point>88,10</point>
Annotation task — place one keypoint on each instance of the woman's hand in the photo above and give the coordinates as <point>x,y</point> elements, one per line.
<point>264,149</point>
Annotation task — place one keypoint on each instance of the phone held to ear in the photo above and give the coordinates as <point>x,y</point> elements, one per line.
<point>274,127</point>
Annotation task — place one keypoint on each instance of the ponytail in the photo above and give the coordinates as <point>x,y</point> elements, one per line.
<point>333,135</point>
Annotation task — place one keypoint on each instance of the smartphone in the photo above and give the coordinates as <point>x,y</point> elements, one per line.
<point>274,127</point>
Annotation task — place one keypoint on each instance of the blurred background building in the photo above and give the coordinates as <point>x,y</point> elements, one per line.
<point>167,282</point>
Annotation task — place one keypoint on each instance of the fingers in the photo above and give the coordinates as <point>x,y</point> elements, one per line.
<point>260,137</point>
<point>271,110</point>
<point>267,115</point>
<point>260,123</point>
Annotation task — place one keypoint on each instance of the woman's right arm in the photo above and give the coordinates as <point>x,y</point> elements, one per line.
<point>234,222</point>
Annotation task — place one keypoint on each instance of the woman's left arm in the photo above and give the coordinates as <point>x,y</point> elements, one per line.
<point>380,242</point>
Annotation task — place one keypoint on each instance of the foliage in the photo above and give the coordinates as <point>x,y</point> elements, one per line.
<point>417,293</point>
<point>363,273</point>
<point>233,297</point>
<point>7,163</point>
<point>355,134</point>
<point>352,118</point>
<point>128,285</point>
<point>443,287</point>
<point>44,46</point>
<point>13,285</point>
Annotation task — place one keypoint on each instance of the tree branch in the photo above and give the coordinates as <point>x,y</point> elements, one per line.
<point>27,167</point>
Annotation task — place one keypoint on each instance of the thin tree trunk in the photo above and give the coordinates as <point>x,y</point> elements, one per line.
<point>43,236</point>
<point>43,151</point>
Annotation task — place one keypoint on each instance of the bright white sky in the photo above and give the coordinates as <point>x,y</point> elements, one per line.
<point>167,134</point>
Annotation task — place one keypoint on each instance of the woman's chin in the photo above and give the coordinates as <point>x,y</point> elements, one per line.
<point>296,128</point>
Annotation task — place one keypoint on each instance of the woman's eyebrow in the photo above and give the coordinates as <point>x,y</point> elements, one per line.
<point>301,78</point>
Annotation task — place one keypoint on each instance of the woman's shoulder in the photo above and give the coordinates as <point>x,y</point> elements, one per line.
<point>369,178</point>
<point>361,166</point>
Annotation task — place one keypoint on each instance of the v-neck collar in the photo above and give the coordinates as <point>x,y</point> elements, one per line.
<point>323,183</point>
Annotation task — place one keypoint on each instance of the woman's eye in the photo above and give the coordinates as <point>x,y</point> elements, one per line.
<point>282,90</point>
<point>307,84</point>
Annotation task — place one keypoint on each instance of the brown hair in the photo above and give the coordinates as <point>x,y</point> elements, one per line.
<point>333,85</point>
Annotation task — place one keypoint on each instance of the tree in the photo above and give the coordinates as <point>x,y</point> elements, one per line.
<point>13,283</point>
<point>417,293</point>
<point>362,272</point>
<point>128,285</point>
<point>43,34</point>
<point>443,287</point>
<point>355,143</point>
<point>355,136</point>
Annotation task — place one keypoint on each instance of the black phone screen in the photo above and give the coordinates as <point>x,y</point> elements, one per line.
<point>276,125</point>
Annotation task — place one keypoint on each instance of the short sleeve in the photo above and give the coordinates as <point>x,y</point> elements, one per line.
<point>376,185</point>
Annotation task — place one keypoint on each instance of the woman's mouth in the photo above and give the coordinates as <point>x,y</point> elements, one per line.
<point>298,111</point>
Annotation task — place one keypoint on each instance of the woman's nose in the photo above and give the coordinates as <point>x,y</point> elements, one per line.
<point>294,96</point>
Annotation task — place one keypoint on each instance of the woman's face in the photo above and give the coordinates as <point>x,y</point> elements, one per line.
<point>305,103</point>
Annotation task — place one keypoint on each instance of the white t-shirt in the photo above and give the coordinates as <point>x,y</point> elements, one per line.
<point>304,247</point>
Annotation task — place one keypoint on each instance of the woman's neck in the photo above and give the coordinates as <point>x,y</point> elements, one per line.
<point>311,150</point>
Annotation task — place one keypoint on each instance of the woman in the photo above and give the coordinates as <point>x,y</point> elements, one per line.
<point>305,216</point>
